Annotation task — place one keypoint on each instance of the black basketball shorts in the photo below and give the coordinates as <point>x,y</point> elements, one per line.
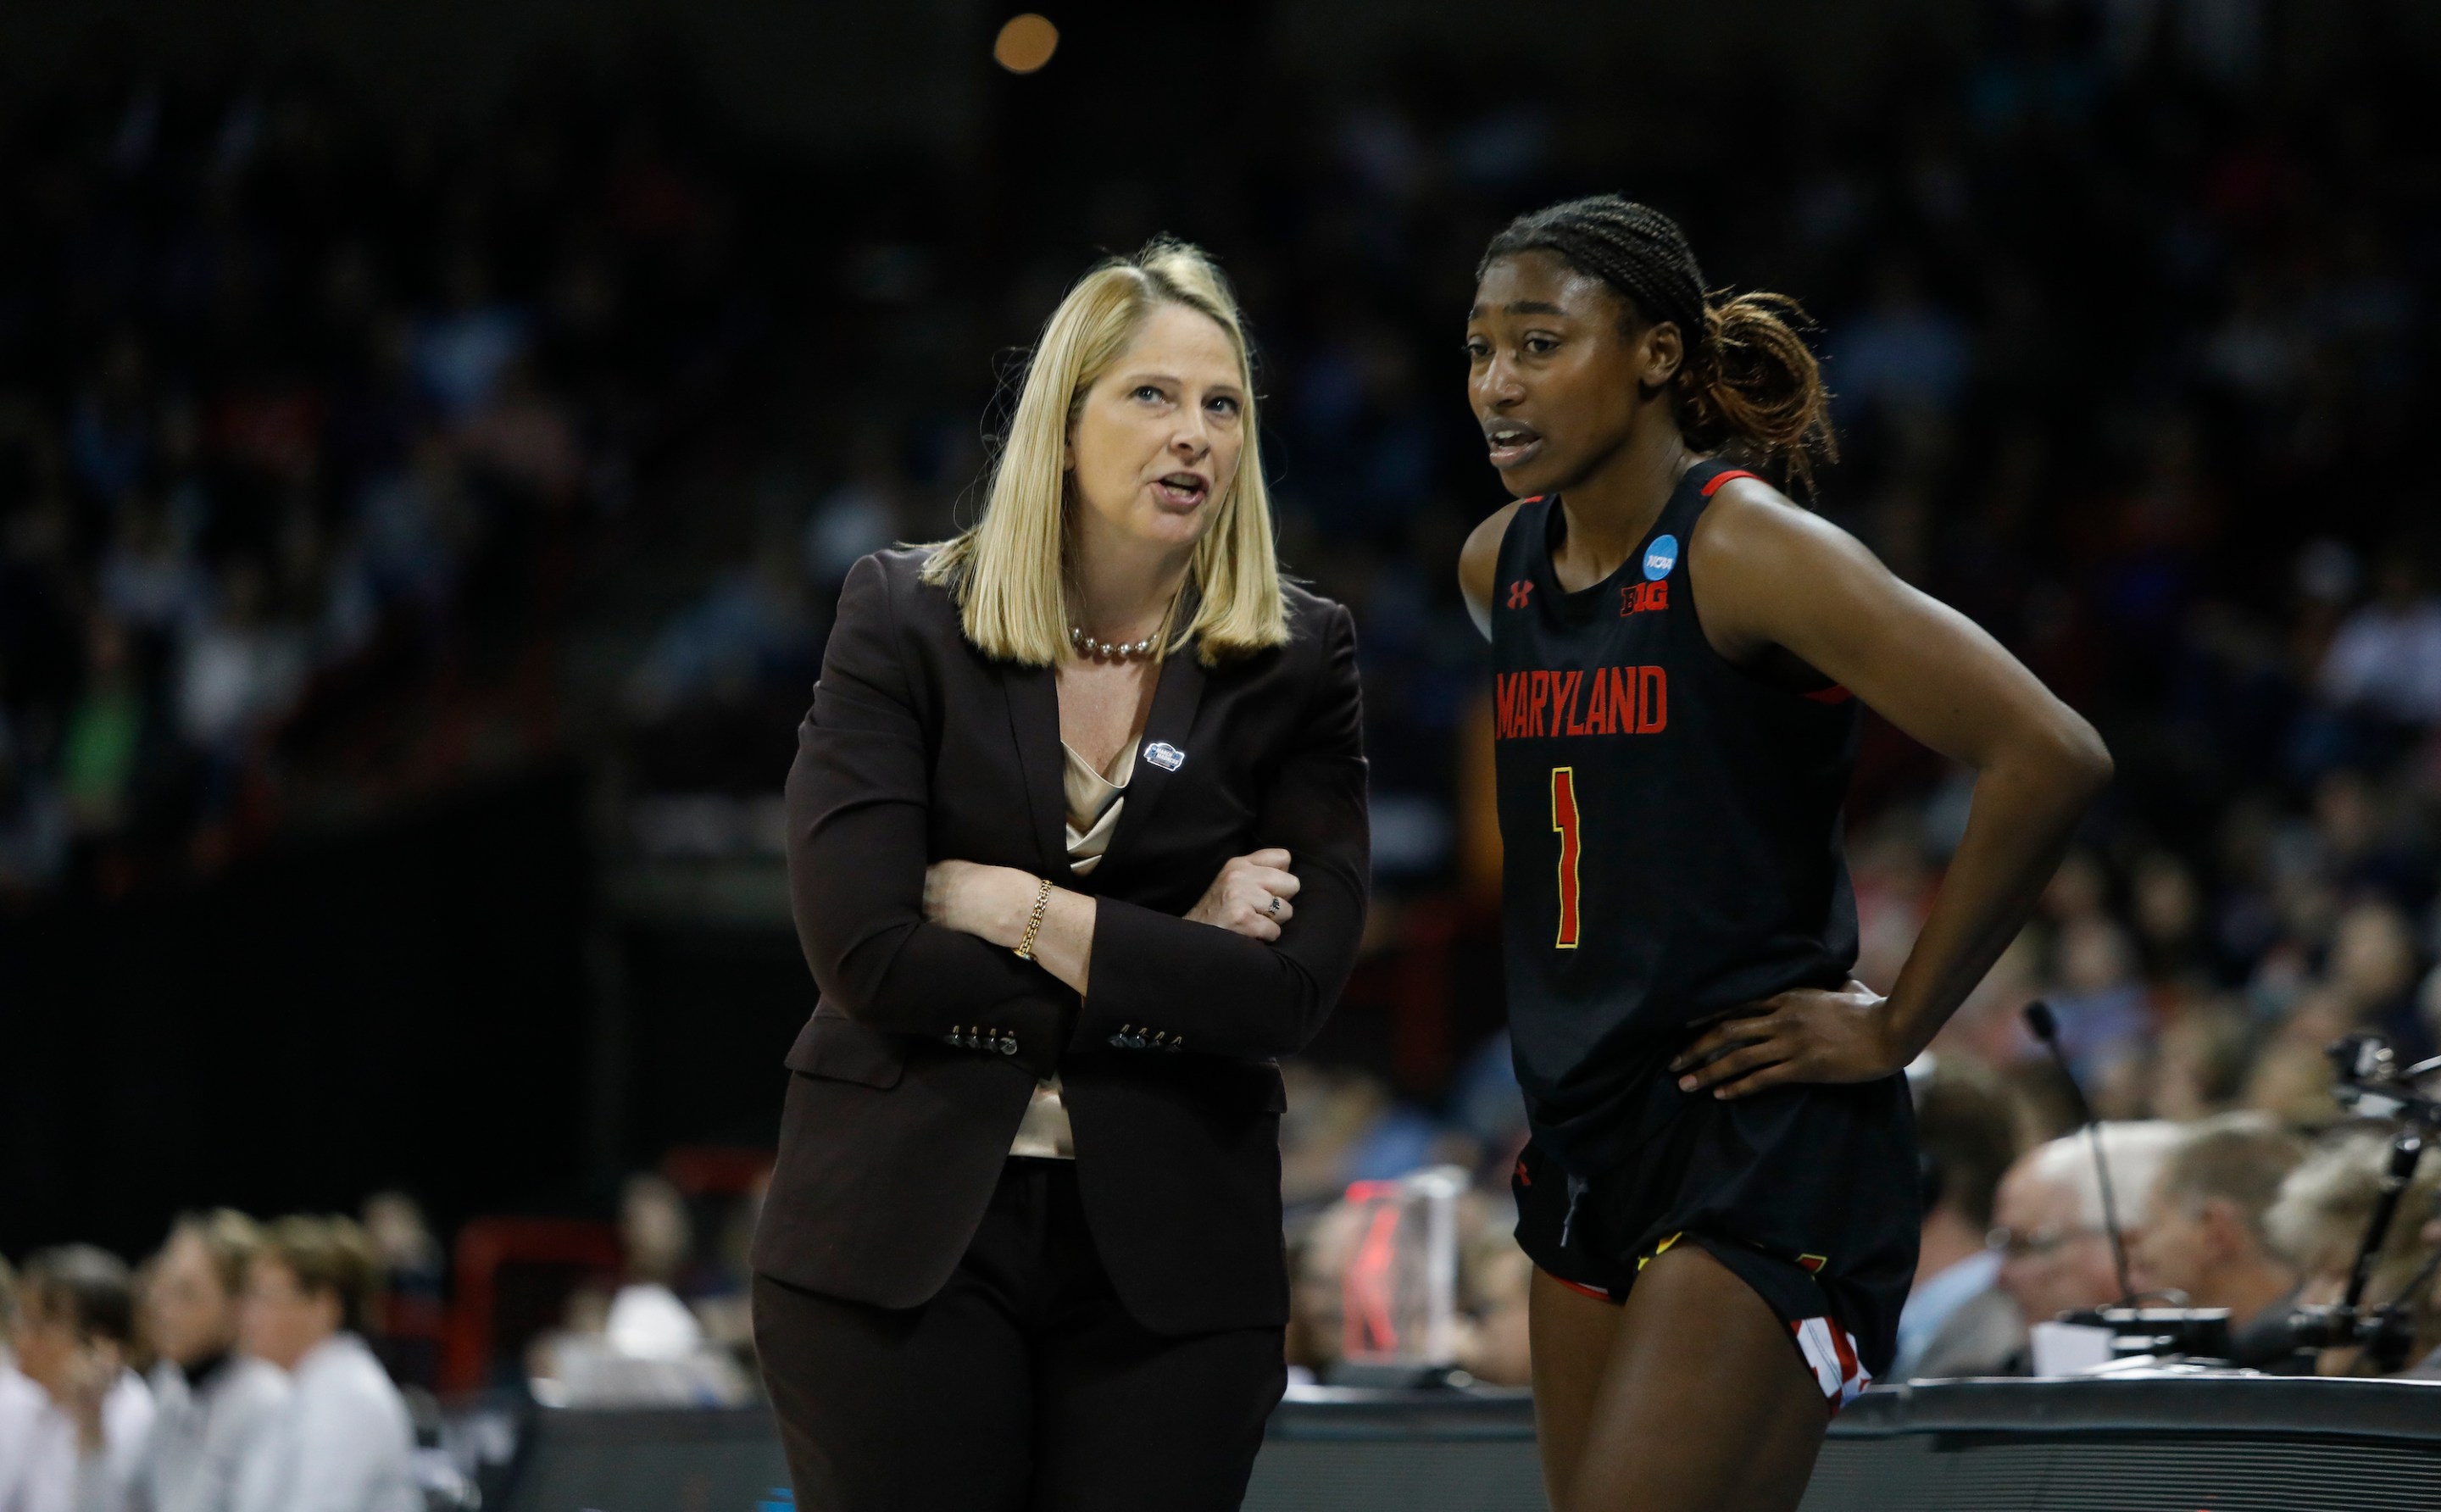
<point>1808,1193</point>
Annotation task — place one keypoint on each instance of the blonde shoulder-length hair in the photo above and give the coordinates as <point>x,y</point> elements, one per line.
<point>1009,572</point>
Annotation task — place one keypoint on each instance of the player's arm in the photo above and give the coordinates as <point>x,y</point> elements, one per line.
<point>1478,562</point>
<point>1768,574</point>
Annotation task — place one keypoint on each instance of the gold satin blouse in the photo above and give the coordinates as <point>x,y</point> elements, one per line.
<point>1094,802</point>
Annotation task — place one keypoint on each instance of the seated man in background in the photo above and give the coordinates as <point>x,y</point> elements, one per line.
<point>21,1400</point>
<point>343,1442</point>
<point>2202,1232</point>
<point>76,1319</point>
<point>1957,1320</point>
<point>213,1402</point>
<point>2054,1244</point>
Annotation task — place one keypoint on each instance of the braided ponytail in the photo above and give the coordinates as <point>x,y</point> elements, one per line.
<point>1752,378</point>
<point>1748,381</point>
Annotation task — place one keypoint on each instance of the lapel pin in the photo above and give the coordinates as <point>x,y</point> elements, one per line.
<point>1165,755</point>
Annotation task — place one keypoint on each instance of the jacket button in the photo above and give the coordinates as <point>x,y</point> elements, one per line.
<point>1008,1045</point>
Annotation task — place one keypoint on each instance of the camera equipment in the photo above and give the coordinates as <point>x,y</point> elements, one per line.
<point>2372,1085</point>
<point>2196,1335</point>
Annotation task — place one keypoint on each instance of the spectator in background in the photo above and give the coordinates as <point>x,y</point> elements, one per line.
<point>2200,1061</point>
<point>344,1442</point>
<point>2201,1231</point>
<point>214,1404</point>
<point>2102,1011</point>
<point>865,513</point>
<point>2055,1242</point>
<point>460,354</point>
<point>33,819</point>
<point>21,1400</point>
<point>148,580</point>
<point>645,1345</point>
<point>1957,1322</point>
<point>2318,1222</point>
<point>76,1322</point>
<point>751,627</point>
<point>2372,972</point>
<point>647,1318</point>
<point>104,735</point>
<point>240,668</point>
<point>406,1317</point>
<point>1493,1279</point>
<point>2385,660</point>
<point>1903,351</point>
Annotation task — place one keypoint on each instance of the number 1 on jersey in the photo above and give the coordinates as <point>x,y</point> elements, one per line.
<point>1563,823</point>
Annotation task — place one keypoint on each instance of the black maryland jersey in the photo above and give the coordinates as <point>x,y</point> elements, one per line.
<point>1670,826</point>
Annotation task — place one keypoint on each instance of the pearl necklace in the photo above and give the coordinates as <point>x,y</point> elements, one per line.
<point>1120,652</point>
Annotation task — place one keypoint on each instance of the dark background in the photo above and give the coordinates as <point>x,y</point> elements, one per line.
<point>2128,307</point>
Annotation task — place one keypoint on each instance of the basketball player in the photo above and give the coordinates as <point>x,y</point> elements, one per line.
<point>1720,1195</point>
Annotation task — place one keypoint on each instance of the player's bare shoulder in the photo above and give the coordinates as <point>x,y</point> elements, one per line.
<point>1478,564</point>
<point>1752,536</point>
<point>1747,514</point>
<point>1756,559</point>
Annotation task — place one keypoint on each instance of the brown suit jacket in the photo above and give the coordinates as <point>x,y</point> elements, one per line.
<point>911,1077</point>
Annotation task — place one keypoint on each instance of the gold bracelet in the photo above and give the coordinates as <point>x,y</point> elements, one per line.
<point>1034,924</point>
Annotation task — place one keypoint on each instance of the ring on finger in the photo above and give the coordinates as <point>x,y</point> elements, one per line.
<point>1272,907</point>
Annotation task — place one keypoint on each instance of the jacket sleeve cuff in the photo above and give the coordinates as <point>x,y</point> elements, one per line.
<point>1154,980</point>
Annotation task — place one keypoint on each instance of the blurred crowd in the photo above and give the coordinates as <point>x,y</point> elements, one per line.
<point>2235,1212</point>
<point>2024,1224</point>
<point>318,431</point>
<point>316,428</point>
<point>235,1376</point>
<point>307,421</point>
<point>296,1365</point>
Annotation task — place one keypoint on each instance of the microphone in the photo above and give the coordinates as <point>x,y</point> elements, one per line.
<point>2046,1028</point>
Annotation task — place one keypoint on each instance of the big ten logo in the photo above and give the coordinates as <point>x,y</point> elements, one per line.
<point>1635,597</point>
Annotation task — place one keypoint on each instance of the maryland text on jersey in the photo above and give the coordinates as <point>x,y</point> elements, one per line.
<point>1581,701</point>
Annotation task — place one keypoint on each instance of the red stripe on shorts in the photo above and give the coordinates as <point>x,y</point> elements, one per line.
<point>1595,1292</point>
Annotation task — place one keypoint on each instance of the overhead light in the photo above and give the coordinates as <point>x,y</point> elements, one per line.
<point>1025,43</point>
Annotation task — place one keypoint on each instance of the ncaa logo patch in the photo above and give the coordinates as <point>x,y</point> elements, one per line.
<point>1660,557</point>
<point>1165,755</point>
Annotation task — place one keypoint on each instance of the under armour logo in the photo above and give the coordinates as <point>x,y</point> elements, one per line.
<point>1520,591</point>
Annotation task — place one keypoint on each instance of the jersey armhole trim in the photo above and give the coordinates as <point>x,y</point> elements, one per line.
<point>1832,693</point>
<point>1501,553</point>
<point>1508,532</point>
<point>1499,558</point>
